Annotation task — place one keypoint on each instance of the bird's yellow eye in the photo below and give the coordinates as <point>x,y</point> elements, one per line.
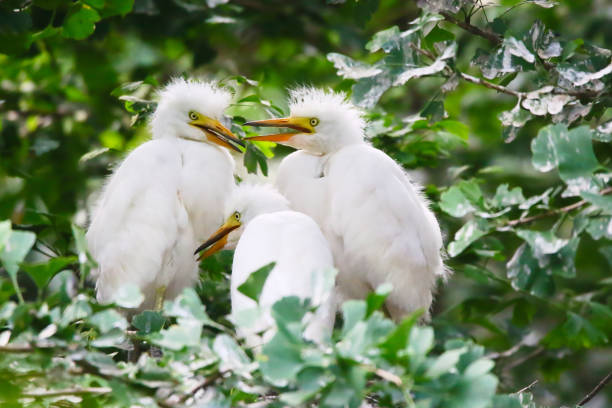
<point>193,115</point>
<point>314,122</point>
<point>237,216</point>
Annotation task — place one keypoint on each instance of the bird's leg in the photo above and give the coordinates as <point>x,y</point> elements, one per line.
<point>160,293</point>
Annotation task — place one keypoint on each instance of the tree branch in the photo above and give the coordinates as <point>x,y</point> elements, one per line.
<point>204,384</point>
<point>67,391</point>
<point>527,388</point>
<point>490,85</point>
<point>550,213</point>
<point>595,390</point>
<point>489,35</point>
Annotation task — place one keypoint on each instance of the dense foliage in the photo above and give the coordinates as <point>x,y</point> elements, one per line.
<point>503,106</point>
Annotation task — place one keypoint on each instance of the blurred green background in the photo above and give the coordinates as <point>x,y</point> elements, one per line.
<point>63,63</point>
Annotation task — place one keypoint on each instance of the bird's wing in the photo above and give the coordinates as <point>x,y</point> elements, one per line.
<point>295,242</point>
<point>135,222</point>
<point>387,231</point>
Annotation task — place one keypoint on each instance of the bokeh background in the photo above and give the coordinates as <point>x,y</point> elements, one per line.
<point>67,116</point>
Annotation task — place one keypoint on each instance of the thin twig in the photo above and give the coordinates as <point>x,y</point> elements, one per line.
<point>527,388</point>
<point>561,210</point>
<point>595,390</point>
<point>204,384</point>
<point>489,35</point>
<point>67,391</point>
<point>524,358</point>
<point>490,85</point>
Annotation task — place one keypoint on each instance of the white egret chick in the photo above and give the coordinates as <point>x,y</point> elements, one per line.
<point>375,218</point>
<point>262,229</point>
<point>165,197</point>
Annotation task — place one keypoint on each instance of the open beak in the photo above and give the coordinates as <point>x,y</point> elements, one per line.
<point>301,124</point>
<point>217,133</point>
<point>218,239</point>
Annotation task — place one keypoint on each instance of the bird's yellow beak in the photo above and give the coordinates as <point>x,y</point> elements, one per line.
<point>301,124</point>
<point>217,133</point>
<point>218,239</point>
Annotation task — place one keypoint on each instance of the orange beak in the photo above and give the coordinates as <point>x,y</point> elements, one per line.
<point>218,239</point>
<point>301,124</point>
<point>217,133</point>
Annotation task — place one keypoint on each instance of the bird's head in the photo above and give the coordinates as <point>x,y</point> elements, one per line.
<point>246,202</point>
<point>193,110</point>
<point>322,122</point>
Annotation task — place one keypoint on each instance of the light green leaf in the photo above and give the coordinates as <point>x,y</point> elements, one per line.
<point>466,235</point>
<point>129,296</point>
<point>107,320</point>
<point>571,151</point>
<point>350,68</point>
<point>386,40</point>
<point>505,197</point>
<point>598,200</point>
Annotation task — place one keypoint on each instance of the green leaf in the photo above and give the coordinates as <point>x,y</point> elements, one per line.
<point>444,362</point>
<point>350,68</point>
<point>505,197</point>
<point>80,22</point>
<point>386,40</point>
<point>129,296</point>
<point>116,7</point>
<point>555,255</point>
<point>41,273</point>
<point>398,339</point>
<point>571,151</point>
<point>148,322</point>
<point>461,199</point>
<point>15,25</point>
<point>283,360</point>
<point>254,284</point>
<point>231,356</point>
<point>576,332</point>
<point>187,333</point>
<point>353,311</point>
<point>14,251</point>
<point>438,34</point>
<point>254,157</point>
<point>107,320</point>
<point>598,200</point>
<point>526,274</point>
<point>466,235</point>
<point>376,299</point>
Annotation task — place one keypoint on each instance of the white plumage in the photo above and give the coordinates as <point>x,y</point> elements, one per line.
<point>263,229</point>
<point>375,218</point>
<point>166,196</point>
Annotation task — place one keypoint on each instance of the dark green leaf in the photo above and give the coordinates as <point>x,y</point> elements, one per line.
<point>254,284</point>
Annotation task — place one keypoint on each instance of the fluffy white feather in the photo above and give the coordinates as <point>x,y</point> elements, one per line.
<point>271,232</point>
<point>166,196</point>
<point>377,222</point>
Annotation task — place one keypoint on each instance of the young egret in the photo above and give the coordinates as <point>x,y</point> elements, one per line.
<point>375,218</point>
<point>166,196</point>
<point>263,229</point>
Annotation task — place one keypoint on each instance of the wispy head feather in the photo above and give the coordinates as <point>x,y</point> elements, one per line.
<point>179,97</point>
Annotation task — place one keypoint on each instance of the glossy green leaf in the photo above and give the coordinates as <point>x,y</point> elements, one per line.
<point>254,284</point>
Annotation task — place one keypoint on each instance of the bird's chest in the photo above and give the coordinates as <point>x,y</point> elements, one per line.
<point>206,180</point>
